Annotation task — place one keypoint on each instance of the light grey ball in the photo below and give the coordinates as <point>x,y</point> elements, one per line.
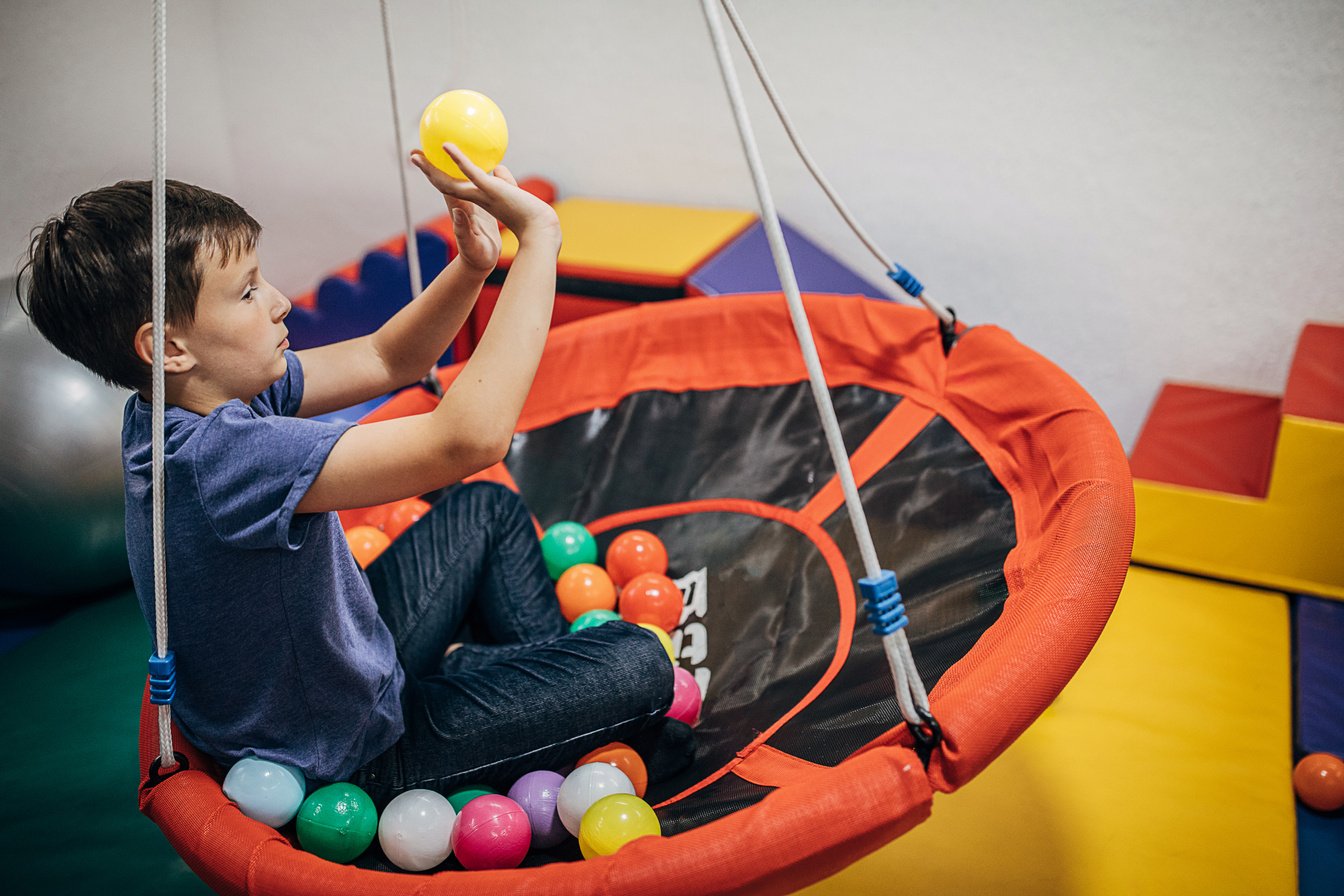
<point>62,508</point>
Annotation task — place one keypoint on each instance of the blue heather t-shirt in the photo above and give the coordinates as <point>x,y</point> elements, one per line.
<point>280,650</point>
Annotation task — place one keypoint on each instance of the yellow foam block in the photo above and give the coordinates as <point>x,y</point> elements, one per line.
<point>1288,540</point>
<point>1164,767</point>
<point>656,243</point>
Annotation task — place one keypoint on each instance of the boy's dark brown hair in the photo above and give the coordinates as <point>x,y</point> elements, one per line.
<point>89,279</point>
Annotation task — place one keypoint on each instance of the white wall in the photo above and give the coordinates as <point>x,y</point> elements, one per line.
<point>1140,191</point>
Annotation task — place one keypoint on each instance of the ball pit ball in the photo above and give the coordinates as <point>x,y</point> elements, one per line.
<point>592,618</point>
<point>469,120</point>
<point>685,698</point>
<point>366,543</point>
<point>586,785</point>
<point>625,759</point>
<point>565,544</point>
<point>1318,779</point>
<point>403,514</point>
<point>663,638</point>
<point>268,792</point>
<point>538,793</point>
<point>492,831</point>
<point>415,829</point>
<point>584,587</point>
<point>614,821</point>
<point>653,598</point>
<point>635,552</point>
<point>463,795</point>
<point>337,822</point>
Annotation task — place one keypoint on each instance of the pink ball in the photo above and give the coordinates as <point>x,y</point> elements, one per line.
<point>685,697</point>
<point>492,831</point>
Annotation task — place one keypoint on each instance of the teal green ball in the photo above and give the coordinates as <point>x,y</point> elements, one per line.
<point>337,822</point>
<point>592,618</point>
<point>463,795</point>
<point>567,544</point>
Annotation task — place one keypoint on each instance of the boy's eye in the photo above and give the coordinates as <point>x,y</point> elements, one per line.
<point>248,294</point>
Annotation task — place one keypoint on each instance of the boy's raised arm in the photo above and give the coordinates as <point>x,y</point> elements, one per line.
<point>403,349</point>
<point>473,424</point>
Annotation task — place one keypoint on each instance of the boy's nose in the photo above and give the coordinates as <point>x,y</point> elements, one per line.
<point>282,307</point>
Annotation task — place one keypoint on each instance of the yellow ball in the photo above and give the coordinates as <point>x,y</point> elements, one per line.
<point>469,120</point>
<point>614,821</point>
<point>663,637</point>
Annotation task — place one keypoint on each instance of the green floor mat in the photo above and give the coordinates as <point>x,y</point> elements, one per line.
<point>71,698</point>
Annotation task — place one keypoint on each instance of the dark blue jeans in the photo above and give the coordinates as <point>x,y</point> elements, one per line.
<point>528,694</point>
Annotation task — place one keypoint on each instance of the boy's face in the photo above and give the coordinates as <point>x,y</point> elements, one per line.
<point>239,337</point>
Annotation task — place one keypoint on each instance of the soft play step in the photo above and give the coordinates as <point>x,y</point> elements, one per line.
<point>1208,438</point>
<point>1316,380</point>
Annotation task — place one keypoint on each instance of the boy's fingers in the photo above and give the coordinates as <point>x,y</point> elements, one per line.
<point>469,168</point>
<point>442,182</point>
<point>505,175</point>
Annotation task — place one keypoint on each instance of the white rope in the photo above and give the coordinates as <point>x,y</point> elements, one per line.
<point>909,688</point>
<point>159,237</point>
<point>412,246</point>
<point>942,313</point>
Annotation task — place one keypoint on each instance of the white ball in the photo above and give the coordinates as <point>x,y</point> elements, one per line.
<point>267,791</point>
<point>586,785</point>
<point>416,828</point>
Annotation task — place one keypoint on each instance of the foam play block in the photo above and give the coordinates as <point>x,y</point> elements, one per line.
<point>1315,386</point>
<point>1208,438</point>
<point>746,265</point>
<point>635,251</point>
<point>1164,767</point>
<point>1320,675</point>
<point>1284,536</point>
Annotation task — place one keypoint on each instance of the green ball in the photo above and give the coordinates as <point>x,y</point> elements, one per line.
<point>567,544</point>
<point>592,618</point>
<point>337,822</point>
<point>463,795</point>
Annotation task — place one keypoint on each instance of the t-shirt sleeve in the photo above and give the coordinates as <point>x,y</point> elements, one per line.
<point>251,471</point>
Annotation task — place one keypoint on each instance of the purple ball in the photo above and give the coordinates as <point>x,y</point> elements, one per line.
<point>537,793</point>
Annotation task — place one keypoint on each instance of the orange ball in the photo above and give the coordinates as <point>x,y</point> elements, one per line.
<point>625,759</point>
<point>375,516</point>
<point>653,598</point>
<point>404,513</point>
<point>584,587</point>
<point>366,543</point>
<point>1319,781</point>
<point>635,552</point>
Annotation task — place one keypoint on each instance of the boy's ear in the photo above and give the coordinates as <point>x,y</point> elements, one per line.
<point>176,357</point>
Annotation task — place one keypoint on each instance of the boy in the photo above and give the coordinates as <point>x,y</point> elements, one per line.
<point>285,650</point>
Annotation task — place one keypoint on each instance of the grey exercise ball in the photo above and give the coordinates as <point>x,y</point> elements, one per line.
<point>62,509</point>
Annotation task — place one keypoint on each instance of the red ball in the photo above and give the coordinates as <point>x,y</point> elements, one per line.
<point>653,598</point>
<point>635,552</point>
<point>1319,781</point>
<point>403,514</point>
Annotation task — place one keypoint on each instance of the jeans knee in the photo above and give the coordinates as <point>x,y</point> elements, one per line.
<point>644,661</point>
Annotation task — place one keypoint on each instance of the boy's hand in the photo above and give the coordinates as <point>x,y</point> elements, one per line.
<point>498,196</point>
<point>477,234</point>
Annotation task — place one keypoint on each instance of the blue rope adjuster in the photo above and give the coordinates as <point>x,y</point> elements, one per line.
<point>882,600</point>
<point>162,678</point>
<point>906,280</point>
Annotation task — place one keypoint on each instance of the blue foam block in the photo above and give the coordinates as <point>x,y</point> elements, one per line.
<point>745,265</point>
<point>1320,675</point>
<point>1320,852</point>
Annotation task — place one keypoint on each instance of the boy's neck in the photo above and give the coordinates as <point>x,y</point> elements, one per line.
<point>192,395</point>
